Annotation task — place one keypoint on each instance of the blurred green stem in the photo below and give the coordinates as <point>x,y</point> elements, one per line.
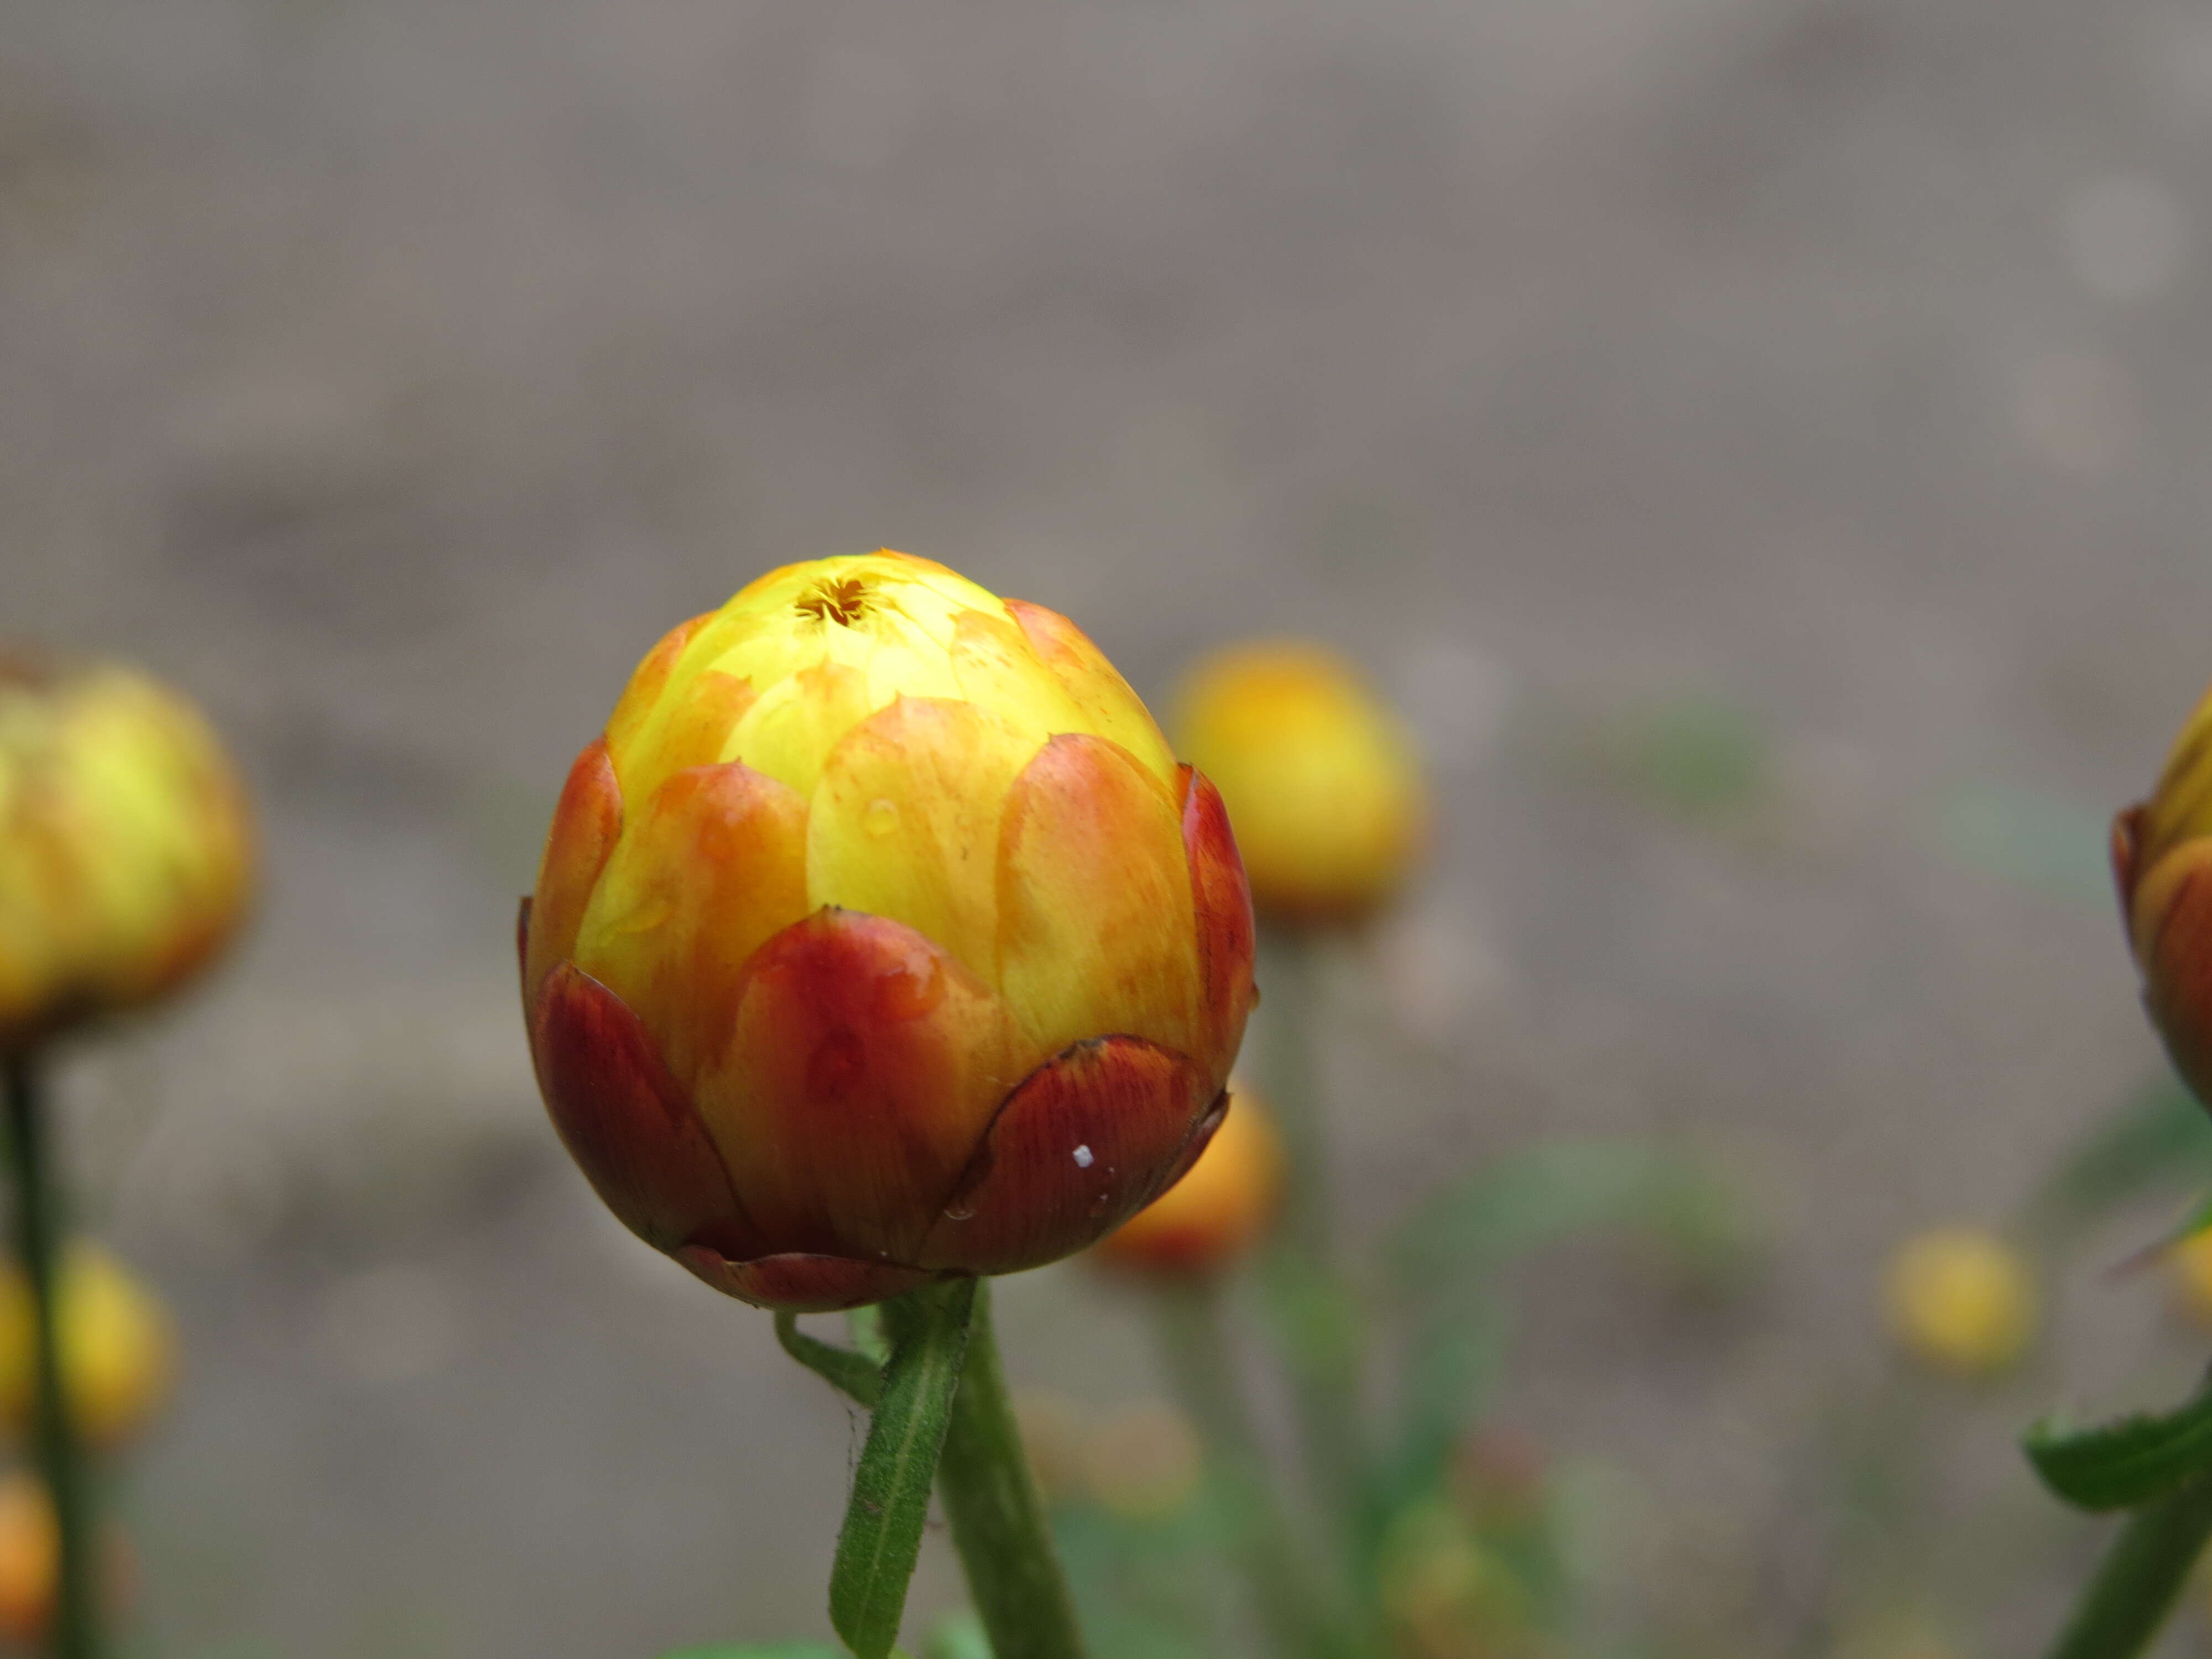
<point>74,1630</point>
<point>1291,1066</point>
<point>1292,1594</point>
<point>1315,1315</point>
<point>2135,1587</point>
<point>998,1519</point>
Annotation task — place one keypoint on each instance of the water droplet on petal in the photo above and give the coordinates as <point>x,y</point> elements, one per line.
<point>647,916</point>
<point>959,1212</point>
<point>881,818</point>
<point>1082,1158</point>
<point>913,992</point>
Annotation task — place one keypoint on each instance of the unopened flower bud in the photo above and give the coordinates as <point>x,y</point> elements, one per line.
<point>1320,776</point>
<point>880,939</point>
<point>125,853</point>
<point>1220,1208</point>
<point>2162,864</point>
<point>1961,1300</point>
<point>117,1348</point>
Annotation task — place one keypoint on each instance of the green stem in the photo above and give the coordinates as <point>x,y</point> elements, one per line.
<point>1290,1592</point>
<point>74,1630</point>
<point>1314,1315</point>
<point>2135,1587</point>
<point>998,1519</point>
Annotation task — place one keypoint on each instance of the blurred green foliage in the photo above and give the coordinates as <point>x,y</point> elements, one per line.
<point>2029,837</point>
<point>2126,1463</point>
<point>1694,755</point>
<point>2158,1140</point>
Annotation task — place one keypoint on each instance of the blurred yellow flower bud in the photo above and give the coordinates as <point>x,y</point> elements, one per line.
<point>30,1560</point>
<point>881,938</point>
<point>1444,1594</point>
<point>125,852</point>
<point>2162,864</point>
<point>1320,778</point>
<point>1217,1211</point>
<point>118,1350</point>
<point>1961,1300</point>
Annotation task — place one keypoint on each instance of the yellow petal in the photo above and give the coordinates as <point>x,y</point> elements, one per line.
<point>1110,709</point>
<point>714,865</point>
<point>905,822</point>
<point>790,731</point>
<point>995,665</point>
<point>689,725</point>
<point>1097,932</point>
<point>649,680</point>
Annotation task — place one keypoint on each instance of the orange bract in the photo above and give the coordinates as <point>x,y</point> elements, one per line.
<point>881,937</point>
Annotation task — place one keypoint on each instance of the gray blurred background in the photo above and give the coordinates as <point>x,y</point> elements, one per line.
<point>1823,384</point>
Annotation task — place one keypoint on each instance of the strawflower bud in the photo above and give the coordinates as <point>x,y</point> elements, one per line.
<point>881,939</point>
<point>1220,1208</point>
<point>125,852</point>
<point>1960,1300</point>
<point>2162,864</point>
<point>118,1350</point>
<point>1320,777</point>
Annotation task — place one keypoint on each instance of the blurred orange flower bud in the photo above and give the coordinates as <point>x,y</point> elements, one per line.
<point>125,852</point>
<point>2162,864</point>
<point>1320,777</point>
<point>881,938</point>
<point>30,1560</point>
<point>1961,1300</point>
<point>118,1350</point>
<point>1217,1211</point>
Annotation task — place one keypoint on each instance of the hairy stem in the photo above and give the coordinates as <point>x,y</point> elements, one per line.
<point>998,1519</point>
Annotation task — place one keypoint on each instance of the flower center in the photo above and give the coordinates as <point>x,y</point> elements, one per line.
<point>840,599</point>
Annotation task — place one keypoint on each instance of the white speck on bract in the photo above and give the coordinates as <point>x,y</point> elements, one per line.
<point>1082,1158</point>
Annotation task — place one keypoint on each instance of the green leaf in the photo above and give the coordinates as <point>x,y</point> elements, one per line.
<point>758,1650</point>
<point>2129,1462</point>
<point>2159,1139</point>
<point>851,1373</point>
<point>882,1534</point>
